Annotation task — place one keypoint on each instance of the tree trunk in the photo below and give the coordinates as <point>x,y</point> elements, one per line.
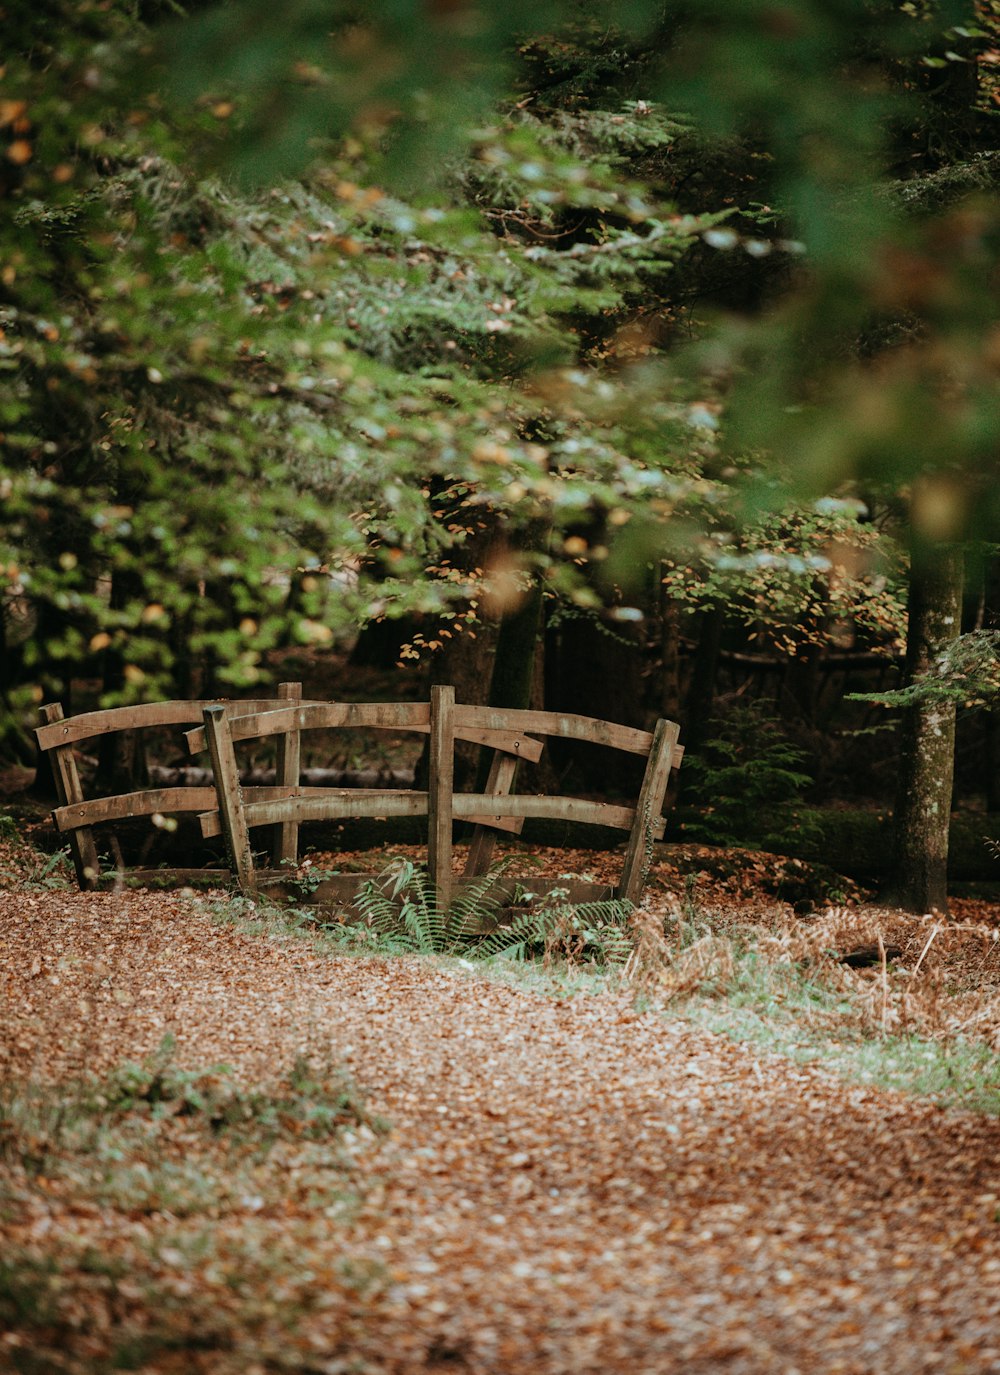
<point>918,877</point>
<point>991,725</point>
<point>121,759</point>
<point>596,670</point>
<point>704,673</point>
<point>464,663</point>
<point>670,656</point>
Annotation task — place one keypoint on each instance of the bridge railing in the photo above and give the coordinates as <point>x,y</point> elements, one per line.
<point>232,810</point>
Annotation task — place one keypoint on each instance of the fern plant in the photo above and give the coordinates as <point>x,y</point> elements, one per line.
<point>399,908</point>
<point>557,929</point>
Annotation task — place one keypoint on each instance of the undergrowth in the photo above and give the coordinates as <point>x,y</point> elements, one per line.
<point>926,1021</point>
<point>399,911</point>
<point>185,1188</point>
<point>921,1016</point>
<point>22,865</point>
<point>494,917</point>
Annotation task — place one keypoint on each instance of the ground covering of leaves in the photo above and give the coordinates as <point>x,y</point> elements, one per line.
<point>568,1183</point>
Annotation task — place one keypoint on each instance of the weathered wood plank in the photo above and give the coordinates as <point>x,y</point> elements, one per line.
<point>648,810</point>
<point>169,801</point>
<point>440,792</point>
<point>504,813</point>
<point>409,716</point>
<point>91,724</point>
<point>320,804</point>
<point>70,793</point>
<point>229,797</point>
<point>285,843</point>
<point>518,744</point>
<point>484,838</point>
<point>322,715</point>
<point>146,803</point>
<point>96,723</point>
<point>563,724</point>
<point>552,808</point>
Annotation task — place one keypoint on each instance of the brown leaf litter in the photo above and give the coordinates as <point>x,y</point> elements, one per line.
<point>568,1186</point>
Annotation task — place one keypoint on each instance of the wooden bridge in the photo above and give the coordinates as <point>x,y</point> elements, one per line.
<point>230,810</point>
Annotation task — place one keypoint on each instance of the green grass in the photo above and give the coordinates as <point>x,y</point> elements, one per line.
<point>959,1075</point>
<point>787,1011</point>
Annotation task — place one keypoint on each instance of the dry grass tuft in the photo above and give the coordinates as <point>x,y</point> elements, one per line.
<point>925,976</point>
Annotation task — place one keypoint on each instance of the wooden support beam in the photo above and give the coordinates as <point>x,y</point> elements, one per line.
<point>70,793</point>
<point>230,797</point>
<point>648,811</point>
<point>285,844</point>
<point>440,792</point>
<point>484,838</point>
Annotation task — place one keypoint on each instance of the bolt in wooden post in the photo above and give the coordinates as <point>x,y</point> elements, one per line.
<point>440,790</point>
<point>69,791</point>
<point>285,846</point>
<point>230,797</point>
<point>648,809</point>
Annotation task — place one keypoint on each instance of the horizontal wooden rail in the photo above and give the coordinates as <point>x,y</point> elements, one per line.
<point>91,724</point>
<point>146,803</point>
<point>336,804</point>
<point>564,725</point>
<point>149,802</point>
<point>473,806</point>
<point>406,716</point>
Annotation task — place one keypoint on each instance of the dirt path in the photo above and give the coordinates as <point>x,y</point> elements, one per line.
<point>569,1186</point>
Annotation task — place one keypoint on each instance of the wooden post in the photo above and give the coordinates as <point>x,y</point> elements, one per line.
<point>648,810</point>
<point>285,845</point>
<point>69,791</point>
<point>484,838</point>
<point>441,787</point>
<point>230,797</point>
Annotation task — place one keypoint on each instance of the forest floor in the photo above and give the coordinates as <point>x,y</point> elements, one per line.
<point>227,1145</point>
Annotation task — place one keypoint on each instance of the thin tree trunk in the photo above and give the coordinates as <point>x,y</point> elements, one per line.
<point>991,725</point>
<point>669,703</point>
<point>918,876</point>
<point>519,658</point>
<point>121,760</point>
<point>704,673</point>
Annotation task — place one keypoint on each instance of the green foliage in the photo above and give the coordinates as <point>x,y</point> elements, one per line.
<point>399,909</point>
<point>205,1189</point>
<point>746,782</point>
<point>639,279</point>
<point>806,575</point>
<point>596,932</point>
<point>100,1116</point>
<point>221,400</point>
<point>967,674</point>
